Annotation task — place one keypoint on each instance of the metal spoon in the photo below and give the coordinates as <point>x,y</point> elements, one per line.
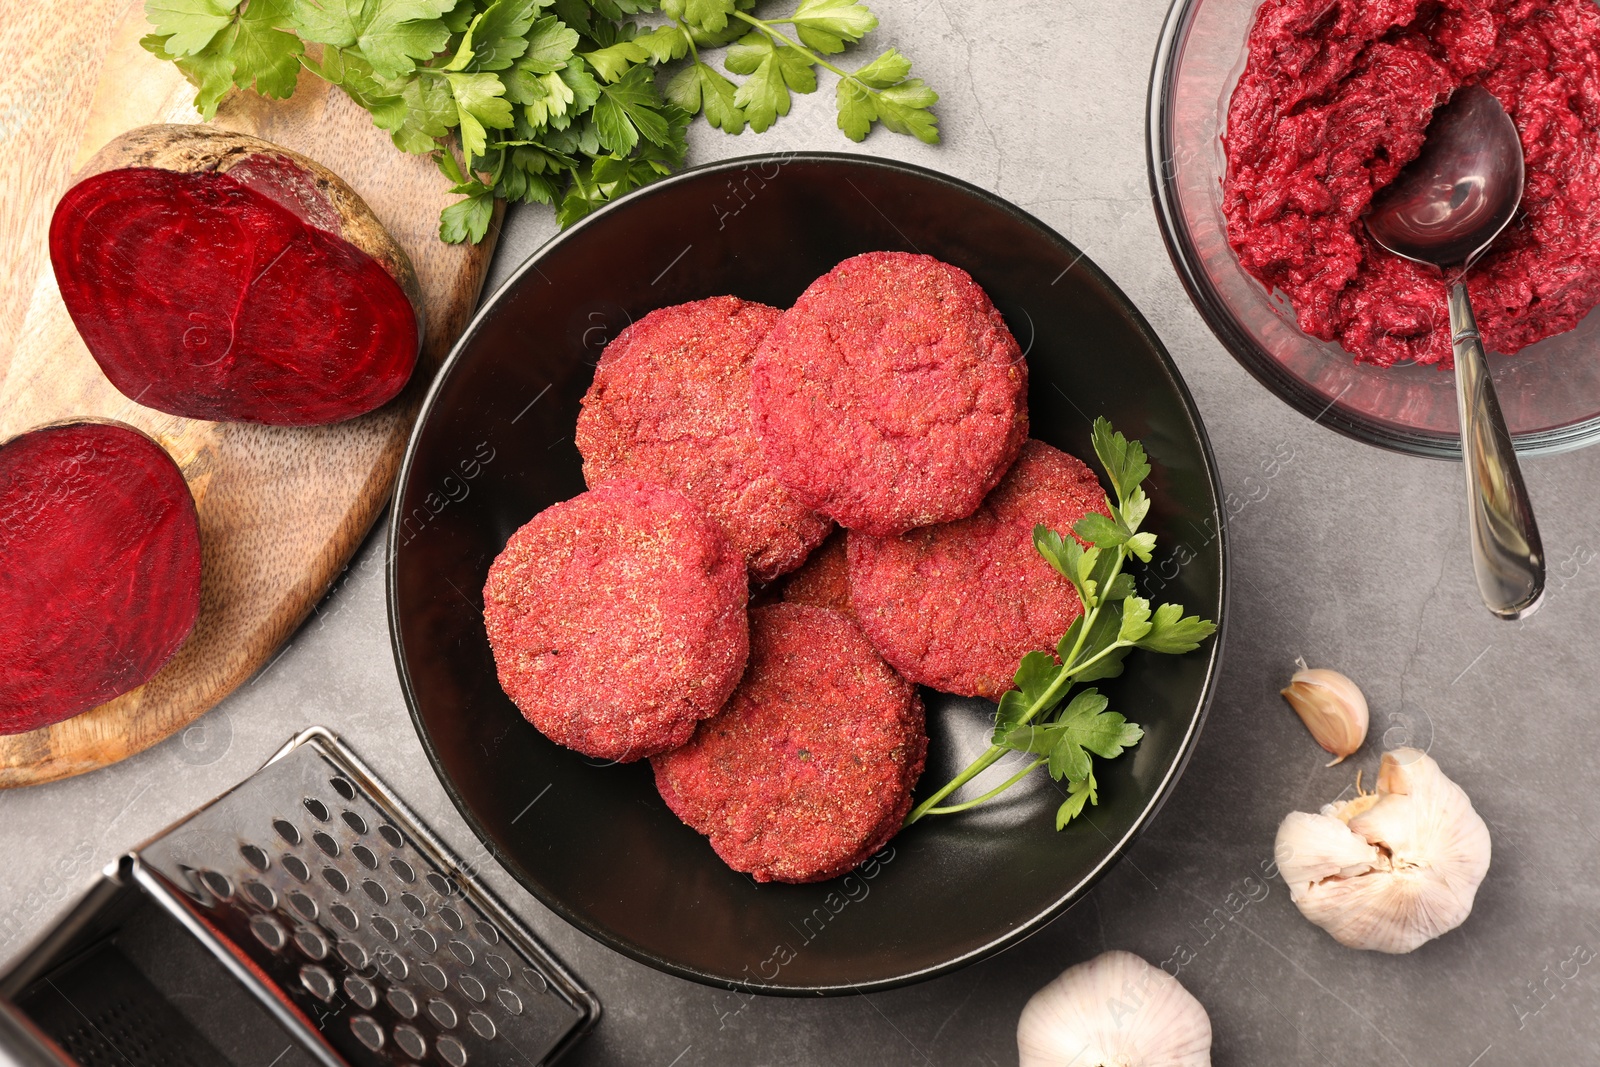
<point>1445,209</point>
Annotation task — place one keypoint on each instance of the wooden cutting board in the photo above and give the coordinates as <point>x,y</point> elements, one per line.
<point>281,509</point>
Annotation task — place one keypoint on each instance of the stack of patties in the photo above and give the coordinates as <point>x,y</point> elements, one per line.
<point>891,399</point>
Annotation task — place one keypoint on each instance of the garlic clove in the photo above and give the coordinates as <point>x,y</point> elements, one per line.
<point>1429,851</point>
<point>1114,1009</point>
<point>1332,707</point>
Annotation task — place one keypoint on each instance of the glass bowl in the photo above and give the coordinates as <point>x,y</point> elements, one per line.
<point>1550,392</point>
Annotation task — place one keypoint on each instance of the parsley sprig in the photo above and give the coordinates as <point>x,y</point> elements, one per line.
<point>542,101</point>
<point>1036,718</point>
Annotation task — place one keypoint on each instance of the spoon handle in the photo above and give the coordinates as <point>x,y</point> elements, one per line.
<point>1506,551</point>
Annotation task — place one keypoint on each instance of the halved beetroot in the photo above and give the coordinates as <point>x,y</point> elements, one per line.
<point>218,276</point>
<point>101,576</point>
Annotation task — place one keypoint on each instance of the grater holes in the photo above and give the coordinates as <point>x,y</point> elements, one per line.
<point>344,917</point>
<point>261,895</point>
<point>367,1031</point>
<point>472,988</point>
<point>355,822</point>
<point>303,906</point>
<point>497,964</point>
<point>443,1013</point>
<point>287,831</point>
<point>403,1003</point>
<point>452,918</point>
<point>487,932</point>
<point>269,932</point>
<point>414,904</point>
<point>335,878</point>
<point>343,787</point>
<point>387,929</point>
<point>509,1001</point>
<point>441,885</point>
<point>463,952</point>
<point>364,856</point>
<point>317,808</point>
<point>318,982</point>
<point>353,954</point>
<point>425,941</point>
<point>410,1041</point>
<point>311,943</point>
<point>402,870</point>
<point>217,884</point>
<point>393,964</point>
<point>297,867</point>
<point>535,980</point>
<point>255,857</point>
<point>453,1052</point>
<point>327,844</point>
<point>376,891</point>
<point>395,838</point>
<point>481,1024</point>
<point>363,992</point>
<point>434,977</point>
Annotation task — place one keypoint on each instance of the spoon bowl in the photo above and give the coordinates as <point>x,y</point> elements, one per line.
<point>1445,209</point>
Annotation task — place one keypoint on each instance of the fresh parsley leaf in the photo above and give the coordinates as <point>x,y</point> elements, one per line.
<point>1135,620</point>
<point>628,110</point>
<point>1078,793</point>
<point>1123,460</point>
<point>613,61</point>
<point>467,220</point>
<point>189,25</point>
<point>1172,633</point>
<point>1134,508</point>
<point>502,34</point>
<point>550,45</point>
<point>698,86</point>
<point>393,35</point>
<point>480,103</point>
<point>828,25</point>
<point>1100,531</point>
<point>774,70</point>
<point>711,15</point>
<point>664,43</point>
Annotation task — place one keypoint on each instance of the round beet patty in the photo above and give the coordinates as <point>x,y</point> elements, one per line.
<point>956,607</point>
<point>670,405</point>
<point>891,395</point>
<point>617,620</point>
<point>808,769</point>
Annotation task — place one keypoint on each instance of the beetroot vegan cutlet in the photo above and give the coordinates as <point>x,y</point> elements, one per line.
<point>670,405</point>
<point>808,769</point>
<point>891,395</point>
<point>955,607</point>
<point>617,620</point>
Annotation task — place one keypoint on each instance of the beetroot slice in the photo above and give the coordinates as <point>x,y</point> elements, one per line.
<point>101,580</point>
<point>216,276</point>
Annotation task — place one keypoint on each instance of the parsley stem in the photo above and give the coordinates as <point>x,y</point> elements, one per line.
<point>766,28</point>
<point>1047,700</point>
<point>951,809</point>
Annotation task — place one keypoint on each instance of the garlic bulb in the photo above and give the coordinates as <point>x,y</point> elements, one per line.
<point>1332,708</point>
<point>1389,870</point>
<point>1114,1011</point>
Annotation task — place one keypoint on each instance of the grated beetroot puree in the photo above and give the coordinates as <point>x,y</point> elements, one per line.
<point>1336,98</point>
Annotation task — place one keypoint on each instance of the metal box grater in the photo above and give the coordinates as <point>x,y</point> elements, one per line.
<point>315,906</point>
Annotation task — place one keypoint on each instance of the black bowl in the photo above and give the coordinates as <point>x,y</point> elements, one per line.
<point>493,446</point>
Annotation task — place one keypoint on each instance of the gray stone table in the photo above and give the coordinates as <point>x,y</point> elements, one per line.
<point>1341,553</point>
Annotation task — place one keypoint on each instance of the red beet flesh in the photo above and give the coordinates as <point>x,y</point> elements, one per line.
<point>223,296</point>
<point>101,581</point>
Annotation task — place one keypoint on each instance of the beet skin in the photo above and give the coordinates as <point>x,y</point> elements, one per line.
<point>101,582</point>
<point>218,276</point>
